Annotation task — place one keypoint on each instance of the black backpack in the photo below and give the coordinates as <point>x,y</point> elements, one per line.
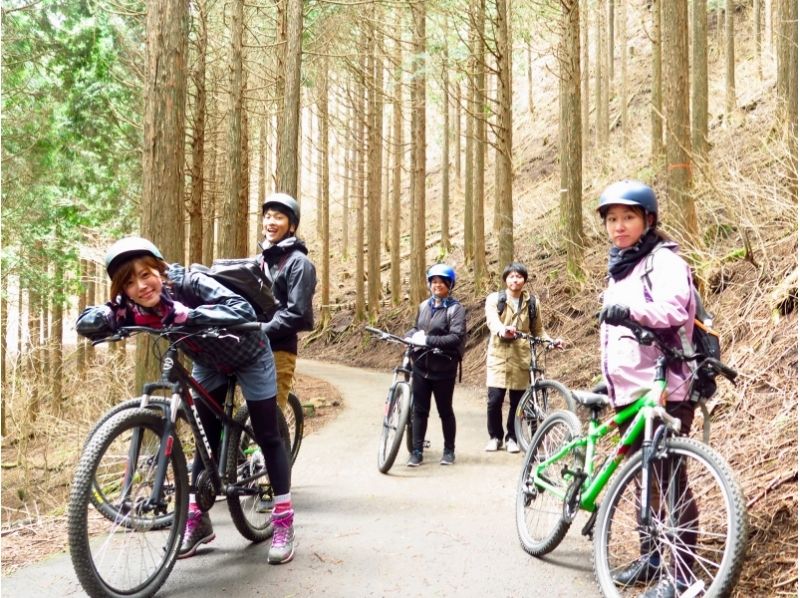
<point>705,340</point>
<point>501,306</point>
<point>243,276</point>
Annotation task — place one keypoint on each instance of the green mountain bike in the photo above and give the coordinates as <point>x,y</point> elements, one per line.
<point>674,510</point>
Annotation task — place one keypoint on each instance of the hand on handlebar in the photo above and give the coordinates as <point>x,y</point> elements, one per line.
<point>418,338</point>
<point>508,333</point>
<point>614,314</point>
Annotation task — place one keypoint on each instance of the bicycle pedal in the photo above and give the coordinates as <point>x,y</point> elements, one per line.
<point>426,444</point>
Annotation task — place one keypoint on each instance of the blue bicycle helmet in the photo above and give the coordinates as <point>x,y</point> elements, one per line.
<point>127,248</point>
<point>443,271</point>
<point>629,193</point>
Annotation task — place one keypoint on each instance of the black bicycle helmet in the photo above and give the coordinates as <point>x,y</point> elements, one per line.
<point>629,193</point>
<point>128,248</point>
<point>285,203</point>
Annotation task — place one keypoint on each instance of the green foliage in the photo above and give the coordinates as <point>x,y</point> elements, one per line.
<point>71,137</point>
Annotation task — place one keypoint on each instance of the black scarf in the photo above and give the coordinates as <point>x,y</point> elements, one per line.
<point>622,261</point>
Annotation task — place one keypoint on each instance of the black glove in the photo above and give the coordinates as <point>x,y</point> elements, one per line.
<point>614,314</point>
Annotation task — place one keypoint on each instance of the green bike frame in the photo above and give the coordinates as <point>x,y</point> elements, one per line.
<point>640,411</point>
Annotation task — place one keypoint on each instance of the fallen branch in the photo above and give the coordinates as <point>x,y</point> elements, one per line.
<point>775,484</point>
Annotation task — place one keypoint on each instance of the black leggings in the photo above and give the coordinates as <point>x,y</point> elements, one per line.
<point>442,391</point>
<point>264,419</point>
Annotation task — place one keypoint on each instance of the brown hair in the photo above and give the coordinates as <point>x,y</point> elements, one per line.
<point>125,271</point>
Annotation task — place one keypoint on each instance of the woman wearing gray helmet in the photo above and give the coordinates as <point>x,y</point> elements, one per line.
<point>441,324</point>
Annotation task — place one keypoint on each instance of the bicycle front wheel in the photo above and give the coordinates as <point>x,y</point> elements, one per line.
<point>697,531</point>
<point>539,401</point>
<point>133,554</point>
<point>395,419</point>
<point>105,504</point>
<point>250,502</point>
<point>541,524</point>
<point>293,412</point>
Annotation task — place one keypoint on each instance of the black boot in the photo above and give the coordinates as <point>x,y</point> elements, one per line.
<point>639,571</point>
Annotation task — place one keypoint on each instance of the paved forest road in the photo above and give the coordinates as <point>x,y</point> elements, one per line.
<point>431,531</point>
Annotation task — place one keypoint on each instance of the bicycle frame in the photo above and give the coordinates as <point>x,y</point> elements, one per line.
<point>642,413</point>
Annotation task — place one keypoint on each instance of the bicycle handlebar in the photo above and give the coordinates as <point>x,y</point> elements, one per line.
<point>537,340</point>
<point>648,336</point>
<point>387,336</point>
<point>196,330</point>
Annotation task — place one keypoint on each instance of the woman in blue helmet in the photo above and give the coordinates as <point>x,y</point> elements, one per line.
<point>649,283</point>
<point>441,324</point>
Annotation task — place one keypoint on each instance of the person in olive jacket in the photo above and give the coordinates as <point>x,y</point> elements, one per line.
<point>508,357</point>
<point>440,325</point>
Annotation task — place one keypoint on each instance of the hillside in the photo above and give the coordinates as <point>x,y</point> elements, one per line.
<point>749,224</point>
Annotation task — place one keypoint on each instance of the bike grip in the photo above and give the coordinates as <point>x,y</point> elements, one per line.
<point>723,369</point>
<point>373,330</point>
<point>246,326</point>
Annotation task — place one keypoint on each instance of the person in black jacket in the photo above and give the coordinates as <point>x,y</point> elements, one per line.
<point>441,324</point>
<point>147,291</point>
<point>294,279</point>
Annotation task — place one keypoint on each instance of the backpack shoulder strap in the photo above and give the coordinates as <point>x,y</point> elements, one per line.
<point>501,301</point>
<point>531,310</point>
<point>648,265</point>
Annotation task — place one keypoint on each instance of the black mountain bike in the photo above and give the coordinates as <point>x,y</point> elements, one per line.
<point>134,465</point>
<point>542,396</point>
<point>398,404</point>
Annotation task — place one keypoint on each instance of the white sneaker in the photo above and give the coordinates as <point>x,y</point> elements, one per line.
<point>511,446</point>
<point>493,445</point>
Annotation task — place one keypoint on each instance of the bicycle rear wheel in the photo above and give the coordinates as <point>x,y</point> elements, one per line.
<point>133,554</point>
<point>251,504</point>
<point>698,527</point>
<point>293,412</point>
<point>541,524</point>
<point>395,419</point>
<point>539,401</point>
<point>107,504</point>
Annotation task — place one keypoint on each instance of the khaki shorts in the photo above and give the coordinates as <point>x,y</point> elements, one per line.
<point>284,369</point>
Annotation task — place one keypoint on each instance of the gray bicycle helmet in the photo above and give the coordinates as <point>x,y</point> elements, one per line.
<point>285,203</point>
<point>629,193</point>
<point>128,248</point>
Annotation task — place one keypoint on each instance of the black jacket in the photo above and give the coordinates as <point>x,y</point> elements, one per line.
<point>445,328</point>
<point>210,304</point>
<point>294,280</point>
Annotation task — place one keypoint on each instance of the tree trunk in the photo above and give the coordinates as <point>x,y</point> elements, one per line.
<point>57,333</point>
<point>287,178</point>
<point>757,37</point>
<point>601,81</point>
<point>196,232</point>
<point>584,12</point>
<point>361,160</point>
<point>445,220</point>
<point>324,215</point>
<point>623,62</point>
<point>700,79</point>
<point>164,125</point>
<point>504,205</point>
<point>211,186</point>
<point>469,161</point>
<point>610,40</point>
<point>83,303</point>
<point>231,213</point>
<point>730,62</point>
<point>529,69</point>
<point>656,109</point>
<point>457,134</point>
<point>34,372</point>
<point>570,201</point>
<point>679,143</point>
<point>787,84</point>
<point>3,364</point>
<point>479,257</point>
<point>375,157</point>
<point>418,101</point>
<point>397,137</point>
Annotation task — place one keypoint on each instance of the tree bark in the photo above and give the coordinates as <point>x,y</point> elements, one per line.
<point>324,216</point>
<point>479,256</point>
<point>623,62</point>
<point>398,153</point>
<point>196,232</point>
<point>700,79</point>
<point>445,214</point>
<point>418,102</point>
<point>584,19</point>
<point>287,178</point>
<point>358,196</point>
<point>504,205</point>
<point>787,85</point>
<point>656,109</point>
<point>730,62</point>
<point>679,143</point>
<point>375,156</point>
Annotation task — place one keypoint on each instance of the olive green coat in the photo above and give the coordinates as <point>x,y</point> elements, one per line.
<point>507,361</point>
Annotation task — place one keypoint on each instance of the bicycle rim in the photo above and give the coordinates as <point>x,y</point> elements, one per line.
<point>251,504</point>
<point>539,513</point>
<point>393,426</point>
<point>536,404</point>
<point>707,566</point>
<point>293,412</point>
<point>107,505</point>
<point>133,554</point>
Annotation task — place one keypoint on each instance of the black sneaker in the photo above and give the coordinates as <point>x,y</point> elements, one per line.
<point>415,459</point>
<point>639,571</point>
<point>448,458</point>
<point>666,588</point>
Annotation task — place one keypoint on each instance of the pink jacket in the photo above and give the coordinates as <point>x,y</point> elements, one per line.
<point>667,302</point>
